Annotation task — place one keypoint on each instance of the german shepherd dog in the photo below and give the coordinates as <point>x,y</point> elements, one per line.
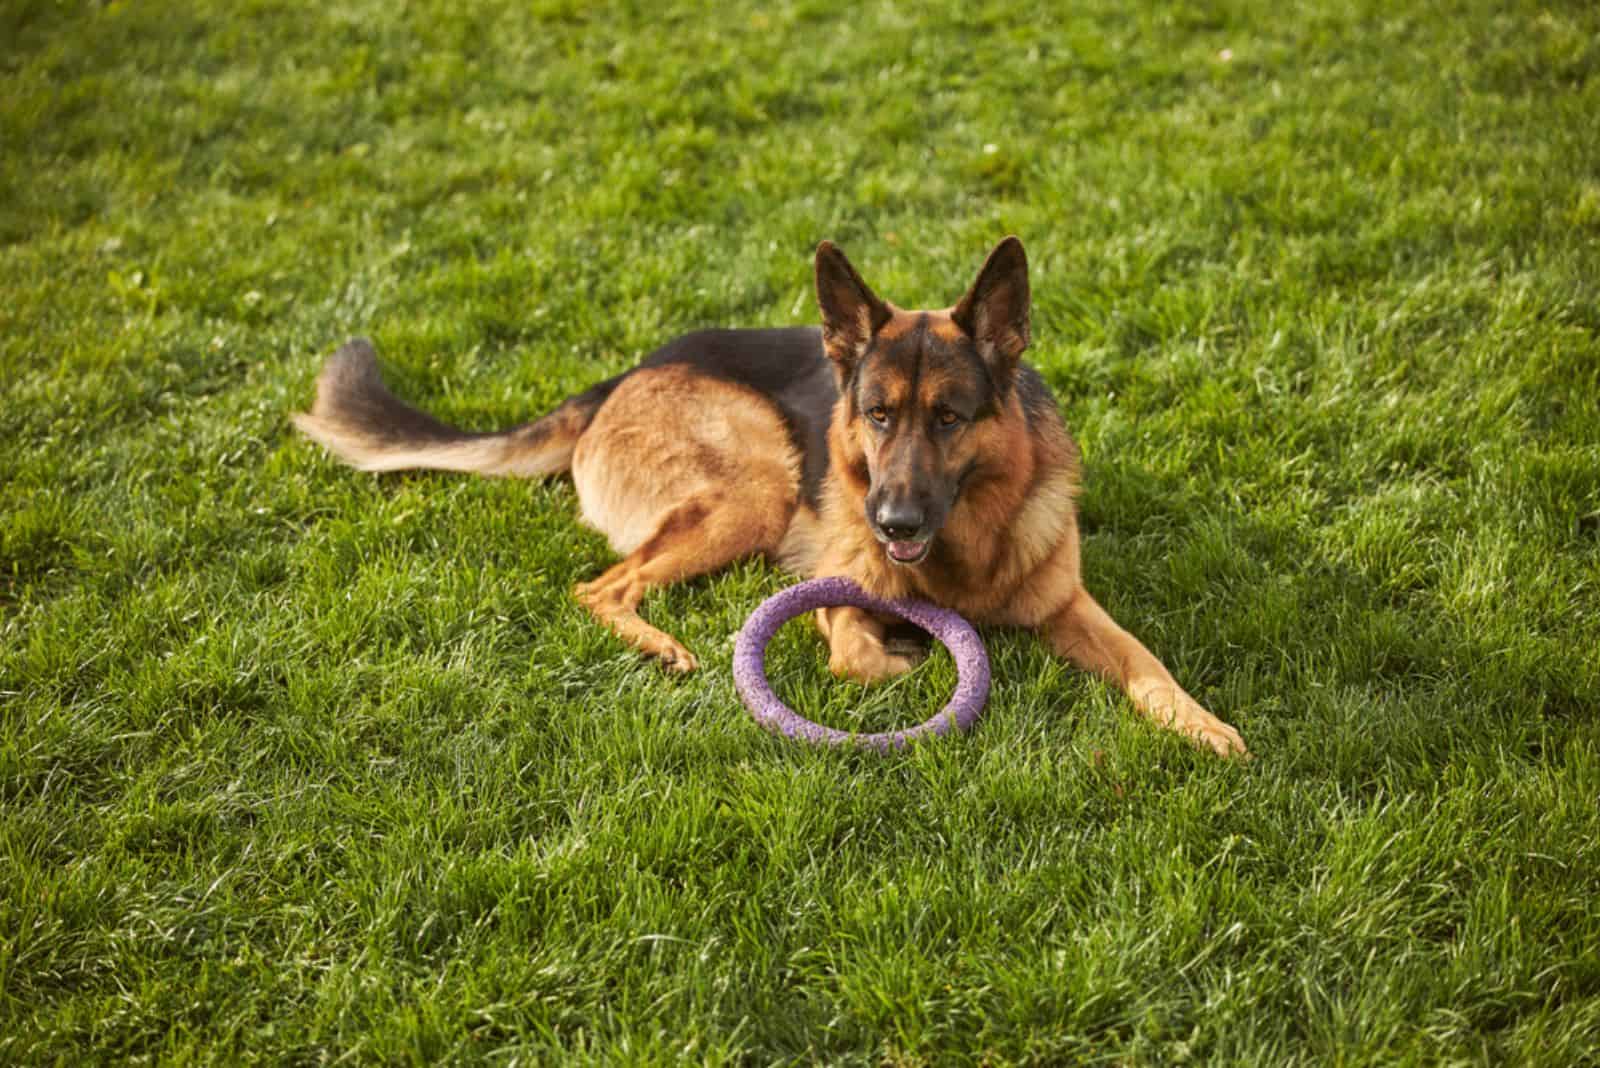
<point>910,451</point>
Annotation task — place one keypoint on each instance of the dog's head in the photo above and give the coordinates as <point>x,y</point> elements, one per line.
<point>917,388</point>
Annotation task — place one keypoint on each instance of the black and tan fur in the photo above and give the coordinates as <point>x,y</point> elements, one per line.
<point>910,451</point>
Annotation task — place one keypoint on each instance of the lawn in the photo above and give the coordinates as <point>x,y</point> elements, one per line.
<point>304,765</point>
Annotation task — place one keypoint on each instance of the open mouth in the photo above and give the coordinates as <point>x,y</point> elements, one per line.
<point>907,552</point>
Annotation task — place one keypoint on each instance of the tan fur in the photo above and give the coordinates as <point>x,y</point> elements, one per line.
<point>680,497</point>
<point>943,326</point>
<point>641,457</point>
<point>802,544</point>
<point>899,323</point>
<point>476,457</point>
<point>1085,634</point>
<point>701,534</point>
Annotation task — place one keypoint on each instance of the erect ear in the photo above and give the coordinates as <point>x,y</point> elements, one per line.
<point>851,313</point>
<point>994,313</point>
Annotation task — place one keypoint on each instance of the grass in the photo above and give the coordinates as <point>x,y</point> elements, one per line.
<point>303,765</point>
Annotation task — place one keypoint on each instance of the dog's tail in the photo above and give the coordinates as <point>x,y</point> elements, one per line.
<point>356,418</point>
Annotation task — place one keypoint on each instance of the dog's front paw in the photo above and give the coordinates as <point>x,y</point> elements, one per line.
<point>866,660</point>
<point>1220,737</point>
<point>1204,729</point>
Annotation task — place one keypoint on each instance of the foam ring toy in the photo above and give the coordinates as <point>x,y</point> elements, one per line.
<point>955,633</point>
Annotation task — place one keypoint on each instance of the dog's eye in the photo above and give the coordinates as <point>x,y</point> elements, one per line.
<point>878,414</point>
<point>947,418</point>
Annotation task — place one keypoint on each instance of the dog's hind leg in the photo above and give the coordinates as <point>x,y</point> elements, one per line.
<point>682,474</point>
<point>699,535</point>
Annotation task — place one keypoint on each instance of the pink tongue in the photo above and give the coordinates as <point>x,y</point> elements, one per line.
<point>905,550</point>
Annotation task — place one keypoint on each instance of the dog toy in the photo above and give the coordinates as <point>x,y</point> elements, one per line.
<point>957,635</point>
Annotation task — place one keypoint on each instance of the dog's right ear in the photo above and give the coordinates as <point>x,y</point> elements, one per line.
<point>851,312</point>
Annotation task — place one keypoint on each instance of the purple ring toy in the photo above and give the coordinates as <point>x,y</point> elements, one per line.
<point>957,635</point>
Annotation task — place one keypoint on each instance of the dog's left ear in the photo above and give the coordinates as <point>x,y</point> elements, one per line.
<point>994,313</point>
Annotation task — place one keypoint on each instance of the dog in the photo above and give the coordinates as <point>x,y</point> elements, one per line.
<point>910,451</point>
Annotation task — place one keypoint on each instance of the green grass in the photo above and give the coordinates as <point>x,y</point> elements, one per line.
<point>298,764</point>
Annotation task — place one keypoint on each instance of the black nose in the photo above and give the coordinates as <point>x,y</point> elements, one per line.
<point>900,520</point>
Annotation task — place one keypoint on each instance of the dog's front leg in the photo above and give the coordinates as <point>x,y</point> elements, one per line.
<point>1085,634</point>
<point>856,645</point>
